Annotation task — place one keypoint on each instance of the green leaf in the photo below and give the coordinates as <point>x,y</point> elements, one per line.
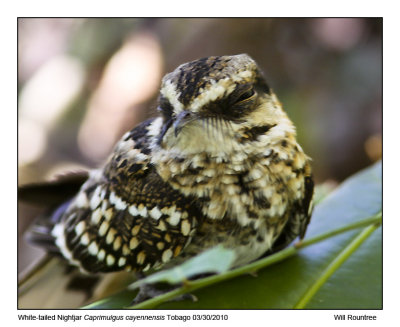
<point>351,286</point>
<point>324,271</point>
<point>216,260</point>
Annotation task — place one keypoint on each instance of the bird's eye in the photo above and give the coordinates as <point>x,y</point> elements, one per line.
<point>246,95</point>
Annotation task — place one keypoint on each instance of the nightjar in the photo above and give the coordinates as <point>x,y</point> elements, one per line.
<point>219,165</point>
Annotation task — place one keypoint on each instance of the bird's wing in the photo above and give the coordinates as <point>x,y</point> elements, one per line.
<point>299,217</point>
<point>307,205</point>
<point>125,217</point>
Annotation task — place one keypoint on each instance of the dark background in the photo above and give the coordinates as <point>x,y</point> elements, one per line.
<point>327,72</point>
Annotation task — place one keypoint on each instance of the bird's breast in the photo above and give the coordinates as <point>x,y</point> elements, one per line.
<point>248,190</point>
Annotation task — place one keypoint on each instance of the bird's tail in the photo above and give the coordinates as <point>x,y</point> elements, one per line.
<point>40,233</point>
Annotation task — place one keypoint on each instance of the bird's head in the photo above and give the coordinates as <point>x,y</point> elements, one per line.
<point>216,104</point>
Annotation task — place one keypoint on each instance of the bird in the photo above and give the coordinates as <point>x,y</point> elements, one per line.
<point>219,165</point>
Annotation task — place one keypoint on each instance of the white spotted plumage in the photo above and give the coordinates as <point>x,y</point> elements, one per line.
<point>221,165</point>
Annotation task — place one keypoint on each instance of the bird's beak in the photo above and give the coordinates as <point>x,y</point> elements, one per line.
<point>182,119</point>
